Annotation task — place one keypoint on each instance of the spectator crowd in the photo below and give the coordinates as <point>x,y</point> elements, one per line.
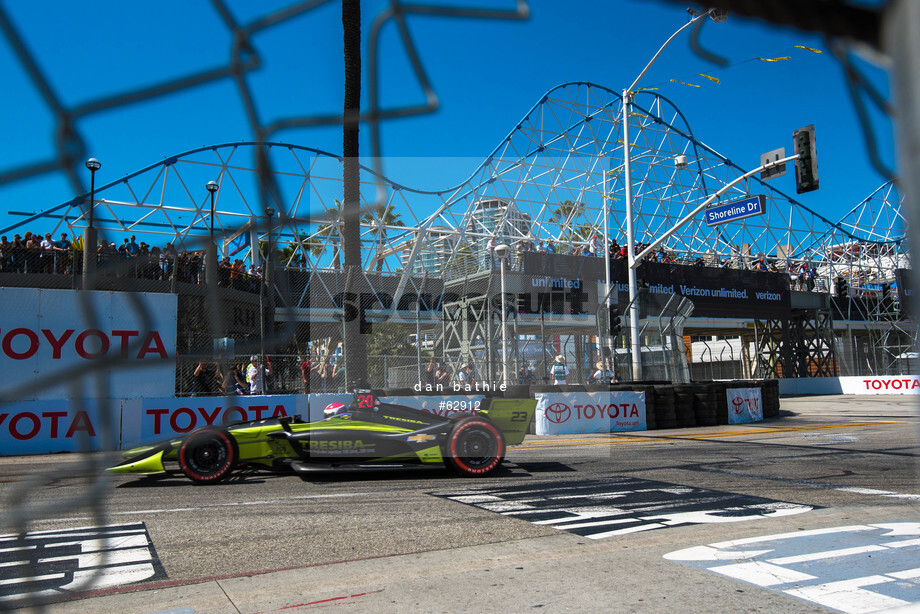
<point>32,254</point>
<point>803,275</point>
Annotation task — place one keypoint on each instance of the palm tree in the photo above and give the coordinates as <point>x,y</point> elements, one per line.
<point>288,255</point>
<point>566,212</point>
<point>565,215</point>
<point>315,246</point>
<point>355,342</point>
<point>384,215</point>
<point>328,232</point>
<point>583,232</point>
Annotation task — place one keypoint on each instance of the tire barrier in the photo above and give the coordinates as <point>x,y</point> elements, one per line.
<point>683,405</point>
<point>771,398</point>
<point>704,404</point>
<point>651,410</point>
<point>541,388</point>
<point>33,426</point>
<point>720,401</point>
<point>665,411</point>
<point>600,387</point>
<point>517,391</point>
<point>667,405</point>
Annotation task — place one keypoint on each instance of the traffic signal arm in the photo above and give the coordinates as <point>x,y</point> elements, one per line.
<point>806,164</point>
<point>615,322</point>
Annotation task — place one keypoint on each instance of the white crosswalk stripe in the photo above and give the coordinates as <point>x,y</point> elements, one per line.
<point>598,509</point>
<point>56,562</point>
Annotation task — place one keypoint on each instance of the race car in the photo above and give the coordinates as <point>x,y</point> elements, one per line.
<point>366,434</point>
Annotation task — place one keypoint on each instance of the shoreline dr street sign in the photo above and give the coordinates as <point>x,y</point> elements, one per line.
<point>736,210</point>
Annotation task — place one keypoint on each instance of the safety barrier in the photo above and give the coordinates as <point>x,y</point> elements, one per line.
<point>49,426</point>
<point>869,384</point>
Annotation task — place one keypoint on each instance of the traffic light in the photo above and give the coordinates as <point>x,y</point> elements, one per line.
<point>806,166</point>
<point>840,286</point>
<point>887,303</point>
<point>615,324</point>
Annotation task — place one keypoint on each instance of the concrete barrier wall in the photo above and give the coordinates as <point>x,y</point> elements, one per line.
<point>48,427</point>
<point>43,427</point>
<point>876,384</point>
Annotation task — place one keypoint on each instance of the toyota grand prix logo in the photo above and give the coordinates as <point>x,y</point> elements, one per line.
<point>738,404</point>
<point>557,413</point>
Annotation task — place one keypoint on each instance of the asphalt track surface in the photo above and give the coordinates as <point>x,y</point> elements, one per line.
<point>570,523</point>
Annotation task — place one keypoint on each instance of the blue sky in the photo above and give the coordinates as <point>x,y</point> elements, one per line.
<point>487,73</point>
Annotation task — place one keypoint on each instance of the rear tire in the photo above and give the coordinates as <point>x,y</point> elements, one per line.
<point>475,447</point>
<point>208,455</point>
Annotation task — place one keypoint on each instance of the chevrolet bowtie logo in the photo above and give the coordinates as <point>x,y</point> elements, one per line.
<point>421,437</point>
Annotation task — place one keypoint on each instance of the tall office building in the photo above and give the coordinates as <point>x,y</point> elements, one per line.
<point>435,253</point>
<point>497,218</point>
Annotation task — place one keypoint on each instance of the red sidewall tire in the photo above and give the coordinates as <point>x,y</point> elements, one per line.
<point>208,455</point>
<point>475,447</point>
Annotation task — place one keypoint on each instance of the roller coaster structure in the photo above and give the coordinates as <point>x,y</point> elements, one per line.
<point>544,182</point>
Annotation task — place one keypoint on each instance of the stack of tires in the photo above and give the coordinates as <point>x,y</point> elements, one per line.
<point>651,410</point>
<point>705,405</point>
<point>665,410</point>
<point>683,405</point>
<point>720,401</point>
<point>770,395</point>
<point>513,391</point>
<point>602,387</point>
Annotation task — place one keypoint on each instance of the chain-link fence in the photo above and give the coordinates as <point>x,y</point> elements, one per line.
<point>295,316</point>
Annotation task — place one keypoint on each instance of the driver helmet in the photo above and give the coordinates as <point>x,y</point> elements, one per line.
<point>334,409</point>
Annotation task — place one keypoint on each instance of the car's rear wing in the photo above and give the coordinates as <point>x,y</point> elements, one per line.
<point>512,416</point>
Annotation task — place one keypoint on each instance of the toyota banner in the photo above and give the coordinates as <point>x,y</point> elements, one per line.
<point>590,412</point>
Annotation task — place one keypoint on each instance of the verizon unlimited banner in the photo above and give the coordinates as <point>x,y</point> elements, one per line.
<point>52,338</point>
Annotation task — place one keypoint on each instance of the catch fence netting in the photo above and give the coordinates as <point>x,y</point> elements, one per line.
<point>227,314</point>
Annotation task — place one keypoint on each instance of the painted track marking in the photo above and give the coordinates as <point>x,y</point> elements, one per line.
<point>855,569</point>
<point>603,508</point>
<point>613,439</point>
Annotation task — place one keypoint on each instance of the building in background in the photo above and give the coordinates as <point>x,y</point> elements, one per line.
<point>498,218</point>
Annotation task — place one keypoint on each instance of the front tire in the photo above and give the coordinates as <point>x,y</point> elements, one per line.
<point>475,447</point>
<point>207,456</point>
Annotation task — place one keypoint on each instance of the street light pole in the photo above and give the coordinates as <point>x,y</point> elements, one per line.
<point>502,251</point>
<point>631,245</point>
<point>89,235</point>
<point>212,187</point>
<point>605,201</point>
<point>266,279</point>
<point>211,253</point>
<point>716,15</point>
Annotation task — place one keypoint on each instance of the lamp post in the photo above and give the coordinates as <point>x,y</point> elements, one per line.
<point>502,251</point>
<point>604,200</point>
<point>266,279</point>
<point>718,16</point>
<point>210,263</point>
<point>212,187</point>
<point>89,235</point>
